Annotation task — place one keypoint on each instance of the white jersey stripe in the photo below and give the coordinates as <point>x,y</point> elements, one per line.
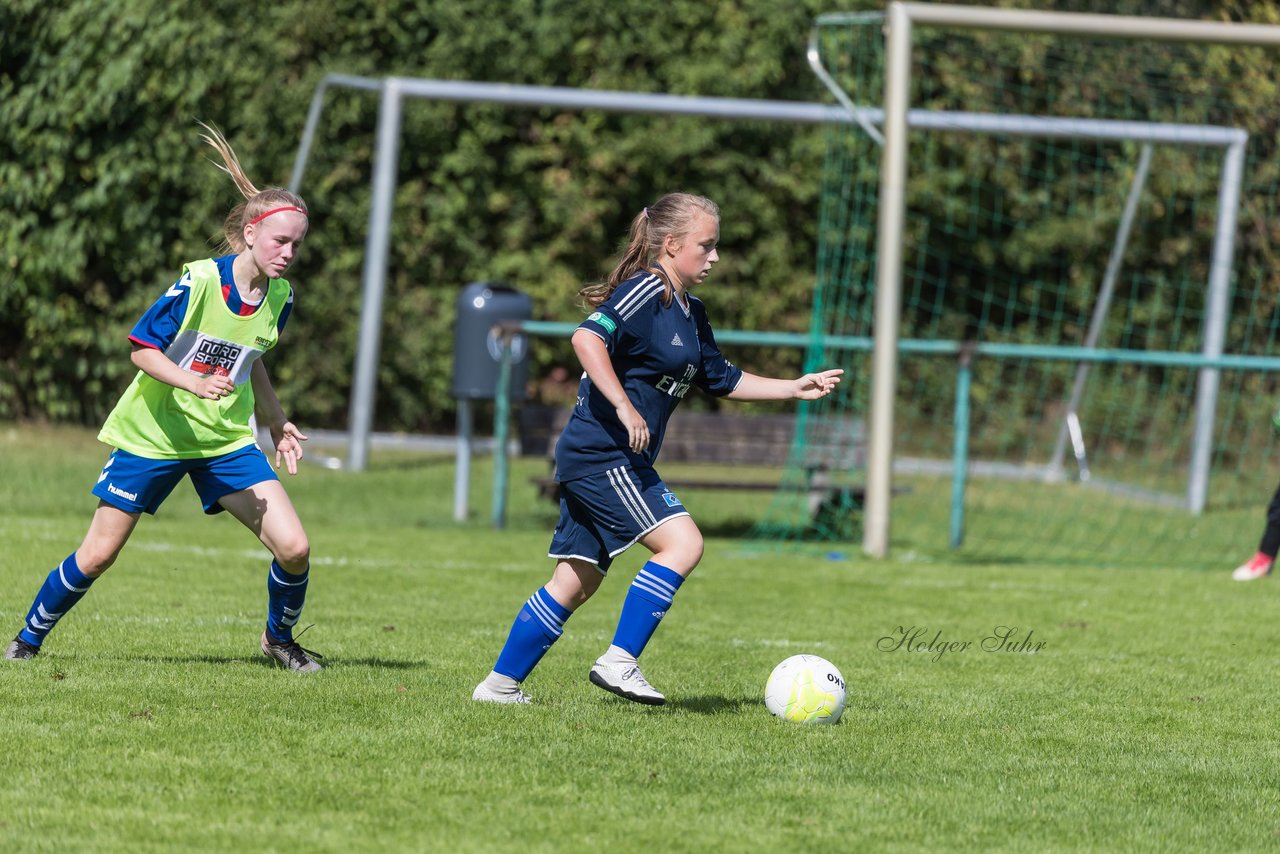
<point>641,295</point>
<point>637,292</point>
<point>649,297</point>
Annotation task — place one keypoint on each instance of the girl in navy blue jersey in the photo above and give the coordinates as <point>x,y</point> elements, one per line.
<point>647,342</point>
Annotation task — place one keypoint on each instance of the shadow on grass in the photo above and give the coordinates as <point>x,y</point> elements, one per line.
<point>263,661</point>
<point>381,663</point>
<point>712,705</point>
<point>727,528</point>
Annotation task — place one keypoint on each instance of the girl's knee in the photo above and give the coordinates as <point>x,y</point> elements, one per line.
<point>94,561</point>
<point>683,558</point>
<point>573,583</point>
<point>293,553</point>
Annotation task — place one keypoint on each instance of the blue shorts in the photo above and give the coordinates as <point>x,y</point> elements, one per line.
<point>603,515</point>
<point>136,484</point>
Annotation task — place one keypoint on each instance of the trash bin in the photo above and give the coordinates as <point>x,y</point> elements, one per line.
<point>477,348</point>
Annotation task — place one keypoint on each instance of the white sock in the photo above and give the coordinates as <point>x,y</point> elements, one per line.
<point>617,655</point>
<point>501,684</point>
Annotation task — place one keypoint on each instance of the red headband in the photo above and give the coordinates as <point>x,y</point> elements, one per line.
<point>276,211</point>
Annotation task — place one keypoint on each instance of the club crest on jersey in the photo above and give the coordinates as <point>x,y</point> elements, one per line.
<point>603,320</point>
<point>671,499</point>
<point>216,357</point>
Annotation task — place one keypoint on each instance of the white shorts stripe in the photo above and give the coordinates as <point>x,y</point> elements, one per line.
<point>631,497</point>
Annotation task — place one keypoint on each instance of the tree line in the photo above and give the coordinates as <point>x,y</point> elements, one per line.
<point>105,189</point>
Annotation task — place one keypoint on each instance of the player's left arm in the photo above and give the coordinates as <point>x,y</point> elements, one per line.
<point>720,377</point>
<point>808,387</point>
<point>287,437</point>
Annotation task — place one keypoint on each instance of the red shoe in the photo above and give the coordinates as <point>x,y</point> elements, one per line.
<point>1256,567</point>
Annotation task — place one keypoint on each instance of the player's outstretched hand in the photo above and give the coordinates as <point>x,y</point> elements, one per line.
<point>288,439</point>
<point>821,384</point>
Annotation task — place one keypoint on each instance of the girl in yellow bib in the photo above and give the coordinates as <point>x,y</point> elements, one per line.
<point>189,412</point>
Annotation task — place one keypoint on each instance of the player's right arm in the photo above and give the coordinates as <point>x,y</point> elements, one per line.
<point>594,356</point>
<point>155,331</point>
<point>158,366</point>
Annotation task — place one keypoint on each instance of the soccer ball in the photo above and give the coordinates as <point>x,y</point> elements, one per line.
<point>805,689</point>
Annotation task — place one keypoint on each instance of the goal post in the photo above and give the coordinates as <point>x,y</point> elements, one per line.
<point>901,18</point>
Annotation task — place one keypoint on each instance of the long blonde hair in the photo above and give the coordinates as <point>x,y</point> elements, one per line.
<point>674,214</point>
<point>256,203</point>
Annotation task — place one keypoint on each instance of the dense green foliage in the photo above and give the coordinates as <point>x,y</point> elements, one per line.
<point>104,188</point>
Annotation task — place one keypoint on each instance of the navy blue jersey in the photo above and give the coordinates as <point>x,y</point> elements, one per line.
<point>158,326</point>
<point>658,352</point>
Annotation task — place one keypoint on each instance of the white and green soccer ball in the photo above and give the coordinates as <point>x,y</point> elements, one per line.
<point>805,689</point>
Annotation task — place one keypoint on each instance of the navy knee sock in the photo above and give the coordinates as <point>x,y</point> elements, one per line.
<point>64,587</point>
<point>285,595</point>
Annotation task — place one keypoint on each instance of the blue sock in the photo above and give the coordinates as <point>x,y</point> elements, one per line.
<point>285,595</point>
<point>64,587</point>
<point>648,599</point>
<point>538,625</point>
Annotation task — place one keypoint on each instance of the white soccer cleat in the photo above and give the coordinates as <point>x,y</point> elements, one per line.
<point>291,656</point>
<point>20,650</point>
<point>502,689</point>
<point>1252,570</point>
<point>626,681</point>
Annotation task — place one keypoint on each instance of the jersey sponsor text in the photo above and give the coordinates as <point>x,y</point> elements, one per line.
<point>215,357</point>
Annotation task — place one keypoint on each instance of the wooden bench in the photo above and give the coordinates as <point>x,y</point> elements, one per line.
<point>698,446</point>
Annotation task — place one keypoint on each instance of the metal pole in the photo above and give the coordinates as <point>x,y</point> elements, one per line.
<point>462,466</point>
<point>1215,326</point>
<point>814,55</point>
<point>960,454</point>
<point>377,245</point>
<point>884,361</point>
<point>635,102</point>
<point>313,118</point>
<point>501,419</point>
<point>1103,306</point>
<point>1112,26</point>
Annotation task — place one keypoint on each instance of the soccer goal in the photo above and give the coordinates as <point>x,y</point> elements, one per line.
<point>1046,253</point>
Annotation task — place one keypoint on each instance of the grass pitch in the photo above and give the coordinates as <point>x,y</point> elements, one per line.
<point>1125,708</point>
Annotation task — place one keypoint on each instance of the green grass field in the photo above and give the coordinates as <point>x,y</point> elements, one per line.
<point>151,722</point>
